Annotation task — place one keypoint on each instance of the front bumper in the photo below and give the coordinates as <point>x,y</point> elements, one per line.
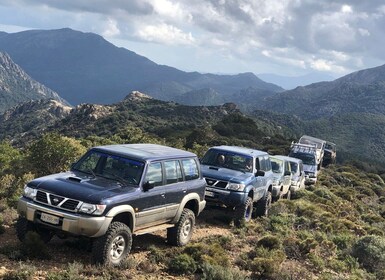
<point>73,223</point>
<point>310,180</point>
<point>224,196</point>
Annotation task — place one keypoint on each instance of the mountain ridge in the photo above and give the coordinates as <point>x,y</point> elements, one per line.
<point>17,87</point>
<point>85,68</point>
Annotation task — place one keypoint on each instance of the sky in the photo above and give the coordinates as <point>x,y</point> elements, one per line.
<point>284,37</point>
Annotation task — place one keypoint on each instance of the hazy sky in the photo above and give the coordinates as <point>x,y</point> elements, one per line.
<point>286,37</point>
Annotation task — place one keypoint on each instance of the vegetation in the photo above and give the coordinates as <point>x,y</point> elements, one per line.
<point>333,230</point>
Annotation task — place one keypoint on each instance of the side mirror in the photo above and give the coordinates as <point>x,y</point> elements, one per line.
<point>260,173</point>
<point>148,185</point>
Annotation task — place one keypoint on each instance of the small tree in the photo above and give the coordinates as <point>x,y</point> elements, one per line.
<point>8,154</point>
<point>53,153</point>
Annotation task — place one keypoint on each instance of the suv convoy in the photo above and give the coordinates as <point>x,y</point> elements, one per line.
<point>282,177</point>
<point>113,192</point>
<point>238,178</point>
<point>319,146</point>
<point>308,155</point>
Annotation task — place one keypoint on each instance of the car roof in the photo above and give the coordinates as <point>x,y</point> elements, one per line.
<point>297,160</point>
<point>146,152</point>
<point>240,150</point>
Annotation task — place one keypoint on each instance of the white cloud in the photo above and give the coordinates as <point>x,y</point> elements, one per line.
<point>111,29</point>
<point>166,34</point>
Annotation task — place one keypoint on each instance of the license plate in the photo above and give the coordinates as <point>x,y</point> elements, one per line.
<point>49,218</point>
<point>208,193</point>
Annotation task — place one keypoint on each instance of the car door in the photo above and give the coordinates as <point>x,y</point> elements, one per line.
<point>151,208</point>
<point>175,187</point>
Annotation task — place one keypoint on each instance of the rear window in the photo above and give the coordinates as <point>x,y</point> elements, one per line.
<point>190,169</point>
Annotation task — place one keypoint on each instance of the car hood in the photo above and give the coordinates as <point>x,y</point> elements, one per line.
<point>225,174</point>
<point>77,185</point>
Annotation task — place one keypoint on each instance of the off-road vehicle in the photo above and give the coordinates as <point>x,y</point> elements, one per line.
<point>114,192</point>
<point>282,177</point>
<point>239,179</point>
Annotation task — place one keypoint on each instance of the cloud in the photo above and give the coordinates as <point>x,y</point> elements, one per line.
<point>166,34</point>
<point>327,35</point>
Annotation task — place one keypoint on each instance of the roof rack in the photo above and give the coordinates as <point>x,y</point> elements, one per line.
<point>304,148</point>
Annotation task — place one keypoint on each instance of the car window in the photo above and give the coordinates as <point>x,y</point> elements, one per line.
<point>154,174</point>
<point>190,169</point>
<point>173,171</point>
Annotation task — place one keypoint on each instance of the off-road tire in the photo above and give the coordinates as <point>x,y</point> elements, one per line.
<point>23,226</point>
<point>288,194</point>
<point>181,233</point>
<point>244,212</point>
<point>263,205</point>
<point>113,247</point>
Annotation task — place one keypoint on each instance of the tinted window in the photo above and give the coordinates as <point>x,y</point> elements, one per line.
<point>124,170</point>
<point>173,172</point>
<point>154,174</point>
<point>190,169</point>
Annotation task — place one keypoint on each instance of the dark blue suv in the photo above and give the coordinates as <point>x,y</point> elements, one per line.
<point>238,178</point>
<point>113,192</point>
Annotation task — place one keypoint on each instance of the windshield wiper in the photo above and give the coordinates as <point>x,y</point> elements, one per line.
<point>121,180</point>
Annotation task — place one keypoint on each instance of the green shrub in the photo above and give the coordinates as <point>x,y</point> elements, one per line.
<point>217,272</point>
<point>213,253</point>
<point>182,264</point>
<point>370,252</point>
<point>266,263</point>
<point>22,272</point>
<point>270,242</point>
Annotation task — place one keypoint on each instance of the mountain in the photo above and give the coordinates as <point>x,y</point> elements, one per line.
<point>359,92</point>
<point>141,118</point>
<point>85,68</point>
<point>17,87</point>
<point>288,82</point>
<point>31,118</point>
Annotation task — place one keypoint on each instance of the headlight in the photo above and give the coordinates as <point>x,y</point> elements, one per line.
<point>236,187</point>
<point>29,192</point>
<point>94,209</point>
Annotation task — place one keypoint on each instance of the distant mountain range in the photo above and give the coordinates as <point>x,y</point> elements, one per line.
<point>291,82</point>
<point>359,92</point>
<point>17,87</point>
<point>85,68</point>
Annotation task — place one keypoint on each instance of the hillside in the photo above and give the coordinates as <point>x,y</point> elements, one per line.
<point>359,92</point>
<point>85,68</point>
<point>139,115</point>
<point>331,231</point>
<point>17,87</point>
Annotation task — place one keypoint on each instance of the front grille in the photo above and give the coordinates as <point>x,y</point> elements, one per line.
<point>57,201</point>
<point>41,197</point>
<point>216,183</point>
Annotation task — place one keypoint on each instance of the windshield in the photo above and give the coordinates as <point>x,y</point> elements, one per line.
<point>308,159</point>
<point>276,165</point>
<point>293,167</point>
<point>124,170</point>
<point>228,160</point>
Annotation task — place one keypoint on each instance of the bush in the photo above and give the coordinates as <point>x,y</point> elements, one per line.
<point>216,272</point>
<point>370,252</point>
<point>270,242</point>
<point>182,264</point>
<point>23,272</point>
